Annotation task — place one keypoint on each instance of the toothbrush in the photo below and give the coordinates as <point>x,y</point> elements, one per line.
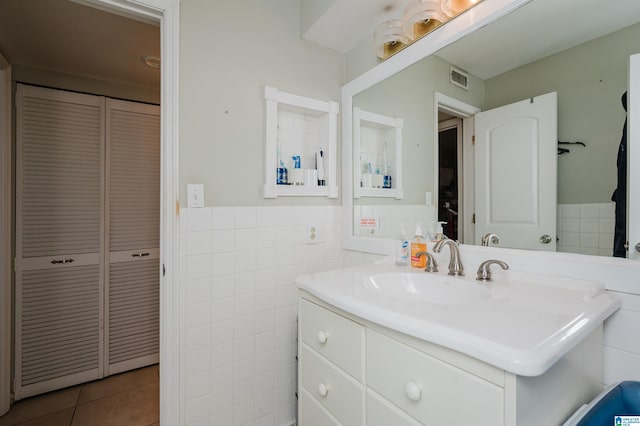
<point>320,167</point>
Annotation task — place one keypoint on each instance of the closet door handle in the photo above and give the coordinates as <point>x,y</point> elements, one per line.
<point>141,254</point>
<point>57,262</point>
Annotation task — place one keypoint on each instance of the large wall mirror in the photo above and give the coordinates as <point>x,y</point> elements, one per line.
<point>503,52</point>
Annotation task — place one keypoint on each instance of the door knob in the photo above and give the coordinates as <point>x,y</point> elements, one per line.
<point>545,239</point>
<point>638,247</point>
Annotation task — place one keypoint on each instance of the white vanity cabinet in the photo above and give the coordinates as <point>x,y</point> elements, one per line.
<point>354,372</point>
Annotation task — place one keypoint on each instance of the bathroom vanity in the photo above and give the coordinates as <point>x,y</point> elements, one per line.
<point>383,345</point>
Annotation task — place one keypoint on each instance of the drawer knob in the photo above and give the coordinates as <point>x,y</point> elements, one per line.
<point>322,337</point>
<point>323,390</point>
<point>413,391</point>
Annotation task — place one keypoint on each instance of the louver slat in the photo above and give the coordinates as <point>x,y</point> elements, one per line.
<point>59,174</point>
<point>59,339</point>
<point>134,223</point>
<point>134,179</point>
<point>60,177</point>
<point>133,310</point>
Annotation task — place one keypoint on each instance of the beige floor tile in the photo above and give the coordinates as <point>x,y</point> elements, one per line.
<point>61,418</point>
<point>135,407</point>
<point>41,405</point>
<point>119,383</point>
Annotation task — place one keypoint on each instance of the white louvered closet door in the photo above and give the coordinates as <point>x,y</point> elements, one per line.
<point>133,217</point>
<point>59,239</point>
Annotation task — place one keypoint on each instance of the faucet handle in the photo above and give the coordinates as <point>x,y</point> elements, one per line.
<point>432,265</point>
<point>489,239</point>
<point>484,270</point>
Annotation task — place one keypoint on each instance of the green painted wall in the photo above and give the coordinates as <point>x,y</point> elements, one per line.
<point>410,95</point>
<point>229,50</point>
<point>590,80</point>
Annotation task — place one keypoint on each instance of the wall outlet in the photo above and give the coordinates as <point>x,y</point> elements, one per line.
<point>313,234</point>
<point>195,195</point>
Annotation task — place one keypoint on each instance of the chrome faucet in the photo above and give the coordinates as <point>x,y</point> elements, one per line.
<point>489,239</point>
<point>432,265</point>
<point>484,272</point>
<point>455,265</point>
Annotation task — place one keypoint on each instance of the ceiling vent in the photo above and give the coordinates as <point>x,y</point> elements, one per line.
<point>459,78</point>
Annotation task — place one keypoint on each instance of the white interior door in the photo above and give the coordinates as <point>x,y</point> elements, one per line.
<point>59,239</point>
<point>633,156</point>
<point>133,228</point>
<point>516,173</point>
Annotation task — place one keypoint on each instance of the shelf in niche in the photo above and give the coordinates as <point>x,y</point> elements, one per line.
<point>298,125</point>
<point>379,192</point>
<point>370,132</point>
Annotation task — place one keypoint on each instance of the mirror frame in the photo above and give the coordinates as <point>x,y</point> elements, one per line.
<point>480,15</point>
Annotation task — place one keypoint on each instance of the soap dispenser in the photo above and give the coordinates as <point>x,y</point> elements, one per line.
<point>418,244</point>
<point>439,231</point>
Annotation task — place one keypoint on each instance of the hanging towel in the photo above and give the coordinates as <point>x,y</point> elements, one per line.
<point>620,194</point>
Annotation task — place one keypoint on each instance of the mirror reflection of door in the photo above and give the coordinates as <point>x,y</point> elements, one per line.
<point>516,173</point>
<point>449,175</point>
<point>633,157</point>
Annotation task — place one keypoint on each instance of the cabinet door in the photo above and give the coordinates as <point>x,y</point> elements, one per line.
<point>381,412</point>
<point>59,246</point>
<point>429,389</point>
<point>133,223</point>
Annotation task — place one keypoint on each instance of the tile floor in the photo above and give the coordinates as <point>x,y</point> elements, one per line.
<point>126,399</point>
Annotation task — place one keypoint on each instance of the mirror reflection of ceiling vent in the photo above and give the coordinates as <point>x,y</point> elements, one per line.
<point>459,78</point>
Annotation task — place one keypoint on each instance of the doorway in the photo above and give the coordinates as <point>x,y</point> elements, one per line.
<point>37,78</point>
<point>457,182</point>
<point>450,175</point>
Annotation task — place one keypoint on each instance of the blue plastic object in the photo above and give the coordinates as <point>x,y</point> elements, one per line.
<point>621,400</point>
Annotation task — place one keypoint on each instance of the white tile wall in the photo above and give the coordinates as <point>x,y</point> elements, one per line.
<point>586,228</point>
<point>621,345</point>
<point>298,134</point>
<point>239,308</point>
<point>394,220</point>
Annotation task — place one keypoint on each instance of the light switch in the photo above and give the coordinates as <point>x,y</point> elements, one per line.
<point>195,195</point>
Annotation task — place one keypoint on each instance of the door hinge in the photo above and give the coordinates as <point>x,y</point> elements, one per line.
<point>473,218</point>
<point>164,271</point>
<point>473,140</point>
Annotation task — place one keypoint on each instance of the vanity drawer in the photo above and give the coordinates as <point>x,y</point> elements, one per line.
<point>334,336</point>
<point>381,412</point>
<point>314,414</point>
<point>335,390</point>
<point>432,391</point>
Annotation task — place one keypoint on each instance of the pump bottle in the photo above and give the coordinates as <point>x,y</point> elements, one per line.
<point>418,244</point>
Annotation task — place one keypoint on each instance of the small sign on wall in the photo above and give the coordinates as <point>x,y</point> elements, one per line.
<point>369,225</point>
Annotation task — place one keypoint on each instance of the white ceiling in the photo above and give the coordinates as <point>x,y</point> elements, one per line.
<point>70,38</point>
<point>66,37</point>
<point>345,23</point>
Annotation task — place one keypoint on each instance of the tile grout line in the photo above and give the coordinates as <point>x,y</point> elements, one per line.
<point>75,406</point>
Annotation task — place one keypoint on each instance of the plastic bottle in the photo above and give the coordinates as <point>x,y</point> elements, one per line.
<point>402,256</point>
<point>418,244</point>
<point>439,231</point>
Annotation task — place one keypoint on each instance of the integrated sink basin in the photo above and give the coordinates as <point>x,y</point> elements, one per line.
<point>423,287</point>
<point>522,323</point>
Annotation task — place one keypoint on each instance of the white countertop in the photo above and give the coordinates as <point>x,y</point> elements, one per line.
<point>522,323</point>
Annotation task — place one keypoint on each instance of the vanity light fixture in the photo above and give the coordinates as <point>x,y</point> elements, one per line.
<point>456,7</point>
<point>420,18</point>
<point>151,61</point>
<point>389,39</point>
